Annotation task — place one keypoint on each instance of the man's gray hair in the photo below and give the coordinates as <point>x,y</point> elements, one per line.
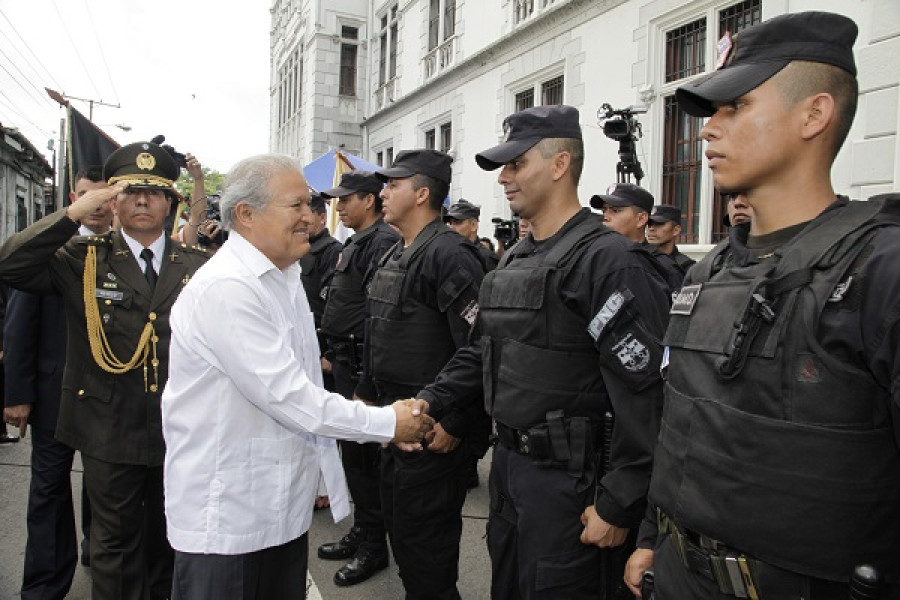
<point>248,182</point>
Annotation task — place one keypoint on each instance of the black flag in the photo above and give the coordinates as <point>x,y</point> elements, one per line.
<point>87,146</point>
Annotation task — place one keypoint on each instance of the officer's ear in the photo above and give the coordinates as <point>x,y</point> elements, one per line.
<point>642,217</point>
<point>676,229</point>
<point>818,113</point>
<point>562,163</point>
<point>423,195</point>
<point>369,199</point>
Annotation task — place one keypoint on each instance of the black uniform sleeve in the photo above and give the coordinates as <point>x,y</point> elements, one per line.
<point>459,384</point>
<point>628,305</point>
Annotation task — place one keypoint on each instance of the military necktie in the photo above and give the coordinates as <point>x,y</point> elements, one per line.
<point>149,273</point>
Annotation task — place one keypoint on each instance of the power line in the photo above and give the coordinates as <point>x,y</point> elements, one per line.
<point>9,105</point>
<point>77,53</point>
<point>27,47</point>
<point>102,53</point>
<point>39,97</point>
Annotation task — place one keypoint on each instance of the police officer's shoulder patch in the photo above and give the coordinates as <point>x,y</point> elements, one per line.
<point>608,312</point>
<point>632,353</point>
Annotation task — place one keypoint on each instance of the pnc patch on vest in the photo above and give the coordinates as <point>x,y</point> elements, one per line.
<point>469,313</point>
<point>633,355</point>
<point>685,299</point>
<point>607,313</point>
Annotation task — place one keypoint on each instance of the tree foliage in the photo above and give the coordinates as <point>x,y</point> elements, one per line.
<point>212,182</point>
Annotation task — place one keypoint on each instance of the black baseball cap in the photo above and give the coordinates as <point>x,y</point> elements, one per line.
<point>356,181</point>
<point>463,210</point>
<point>665,212</point>
<point>751,57</point>
<point>624,194</point>
<point>142,165</point>
<point>432,163</point>
<point>526,128</point>
<point>318,203</point>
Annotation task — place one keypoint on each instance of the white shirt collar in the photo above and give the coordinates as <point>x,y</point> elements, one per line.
<point>158,247</point>
<point>257,262</point>
<point>85,230</point>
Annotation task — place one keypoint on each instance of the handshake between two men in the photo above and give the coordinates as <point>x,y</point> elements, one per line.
<point>413,424</point>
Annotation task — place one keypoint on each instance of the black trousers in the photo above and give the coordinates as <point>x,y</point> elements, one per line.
<point>361,468</point>
<point>130,555</point>
<point>422,495</point>
<point>277,573</point>
<point>51,551</point>
<point>533,532</point>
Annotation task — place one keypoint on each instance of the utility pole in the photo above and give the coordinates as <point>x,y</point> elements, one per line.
<point>63,100</point>
<point>61,190</point>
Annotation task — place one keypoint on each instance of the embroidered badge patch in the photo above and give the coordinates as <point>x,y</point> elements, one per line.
<point>606,314</point>
<point>683,301</point>
<point>633,355</point>
<point>470,312</point>
<point>723,47</point>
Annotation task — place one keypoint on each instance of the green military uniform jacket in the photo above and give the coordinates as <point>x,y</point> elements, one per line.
<point>110,417</point>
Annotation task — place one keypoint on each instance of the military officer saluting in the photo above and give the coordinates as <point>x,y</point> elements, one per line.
<point>777,471</point>
<point>117,288</point>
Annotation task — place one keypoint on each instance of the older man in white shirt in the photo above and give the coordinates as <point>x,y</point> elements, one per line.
<point>247,424</point>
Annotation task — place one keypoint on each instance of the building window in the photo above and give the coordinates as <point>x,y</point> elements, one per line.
<point>525,99</point>
<point>347,85</point>
<point>290,87</point>
<point>430,139</point>
<point>550,91</point>
<point>379,159</point>
<point>387,55</point>
<point>686,49</point>
<point>441,21</point>
<point>389,156</point>
<point>446,137</point>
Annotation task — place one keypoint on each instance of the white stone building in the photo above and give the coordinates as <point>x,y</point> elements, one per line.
<point>380,76</point>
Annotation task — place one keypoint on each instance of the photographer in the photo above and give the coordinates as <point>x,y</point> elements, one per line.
<point>211,235</point>
<point>189,232</point>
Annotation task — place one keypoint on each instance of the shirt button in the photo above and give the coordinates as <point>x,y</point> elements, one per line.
<point>81,392</point>
<point>107,301</point>
<point>152,316</point>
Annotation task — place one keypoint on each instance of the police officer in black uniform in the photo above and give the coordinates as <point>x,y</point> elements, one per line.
<point>422,303</point>
<point>343,326</point>
<point>626,208</point>
<point>317,267</point>
<point>462,217</point>
<point>663,228</point>
<point>568,358</point>
<point>118,289</point>
<point>777,471</point>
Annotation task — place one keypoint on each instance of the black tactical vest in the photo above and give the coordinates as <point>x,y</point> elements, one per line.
<point>537,352</point>
<point>409,341</point>
<point>312,273</point>
<point>768,443</point>
<point>345,309</point>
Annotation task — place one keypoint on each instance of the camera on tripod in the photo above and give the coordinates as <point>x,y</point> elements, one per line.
<point>622,126</point>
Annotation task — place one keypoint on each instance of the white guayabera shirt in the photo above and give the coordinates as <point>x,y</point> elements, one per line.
<point>247,424</point>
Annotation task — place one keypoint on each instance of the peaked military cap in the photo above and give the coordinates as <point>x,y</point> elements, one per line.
<point>665,212</point>
<point>142,164</point>
<point>463,210</point>
<point>526,128</point>
<point>432,163</point>
<point>356,181</point>
<point>624,194</point>
<point>749,58</point>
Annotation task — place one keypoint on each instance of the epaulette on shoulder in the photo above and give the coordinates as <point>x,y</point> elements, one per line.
<point>200,250</point>
<point>93,240</point>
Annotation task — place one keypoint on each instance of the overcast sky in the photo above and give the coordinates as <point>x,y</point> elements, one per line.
<point>196,71</point>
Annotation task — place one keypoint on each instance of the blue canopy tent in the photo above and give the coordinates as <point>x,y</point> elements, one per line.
<point>320,172</point>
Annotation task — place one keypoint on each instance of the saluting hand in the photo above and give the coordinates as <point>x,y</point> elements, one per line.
<point>412,423</point>
<point>93,200</point>
<point>194,169</point>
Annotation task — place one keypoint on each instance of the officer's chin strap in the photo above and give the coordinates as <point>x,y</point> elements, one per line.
<point>100,349</point>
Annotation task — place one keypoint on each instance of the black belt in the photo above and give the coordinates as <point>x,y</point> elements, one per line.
<point>732,571</point>
<point>560,442</point>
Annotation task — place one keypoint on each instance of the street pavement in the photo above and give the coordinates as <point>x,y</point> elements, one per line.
<point>474,567</point>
